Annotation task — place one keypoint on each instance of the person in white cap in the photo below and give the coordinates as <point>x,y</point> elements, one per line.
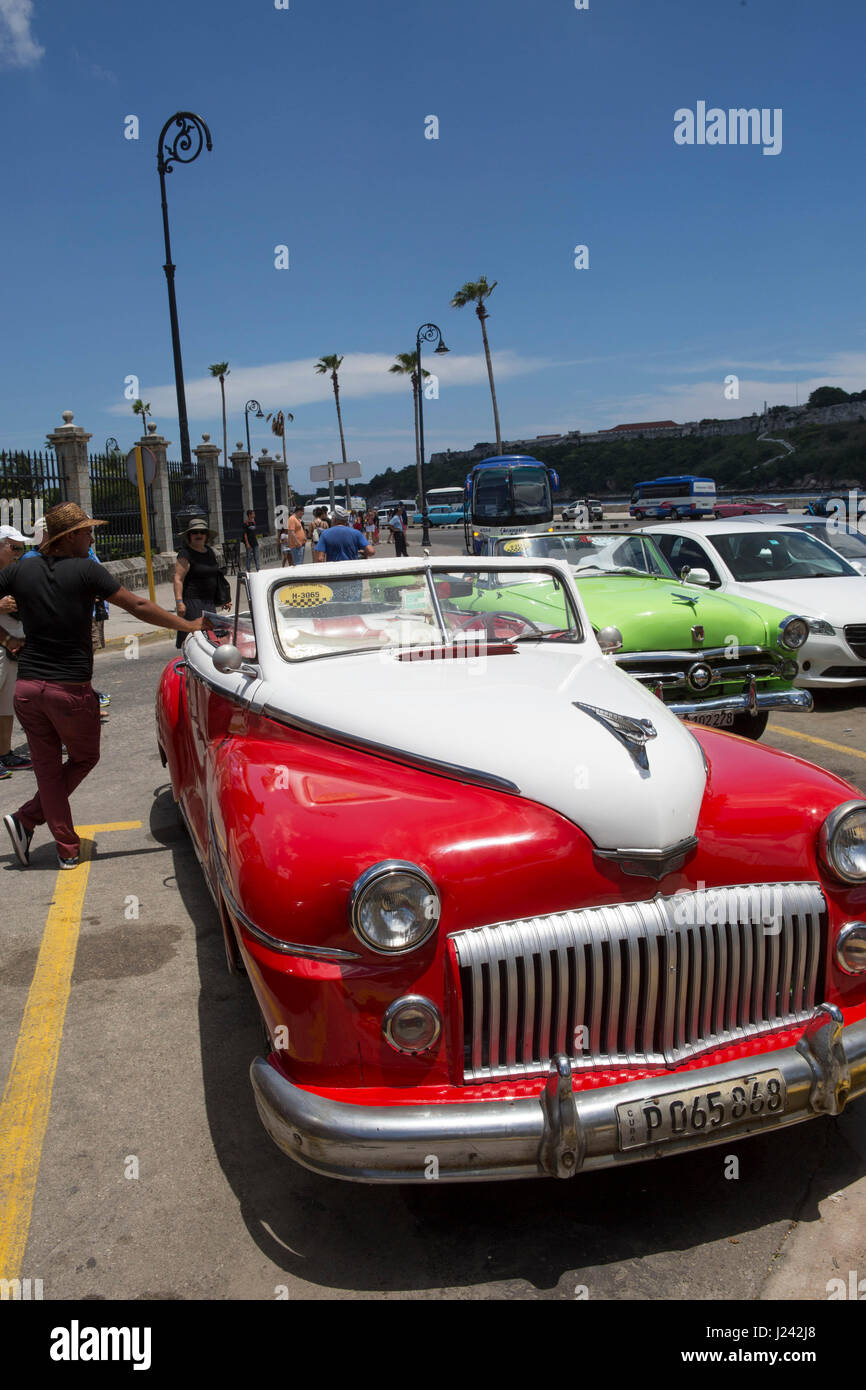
<point>12,546</point>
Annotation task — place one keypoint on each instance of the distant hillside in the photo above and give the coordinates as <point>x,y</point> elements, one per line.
<point>826,456</point>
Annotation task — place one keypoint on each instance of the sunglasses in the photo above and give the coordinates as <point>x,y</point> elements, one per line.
<point>197,533</point>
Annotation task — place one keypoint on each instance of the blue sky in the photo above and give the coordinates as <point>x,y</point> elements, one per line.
<point>556,128</point>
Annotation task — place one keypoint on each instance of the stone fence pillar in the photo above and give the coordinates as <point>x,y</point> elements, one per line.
<point>69,443</point>
<point>266,465</point>
<point>209,454</point>
<point>281,477</point>
<point>241,462</point>
<point>162,539</point>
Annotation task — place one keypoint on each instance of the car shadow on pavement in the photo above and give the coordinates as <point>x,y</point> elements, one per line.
<point>640,1231</point>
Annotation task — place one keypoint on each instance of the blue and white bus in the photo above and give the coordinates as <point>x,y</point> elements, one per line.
<point>510,490</point>
<point>672,498</point>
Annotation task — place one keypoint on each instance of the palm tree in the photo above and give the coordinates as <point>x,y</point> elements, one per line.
<point>475,292</point>
<point>332,364</point>
<point>278,427</point>
<point>407,365</point>
<point>221,370</point>
<point>139,408</point>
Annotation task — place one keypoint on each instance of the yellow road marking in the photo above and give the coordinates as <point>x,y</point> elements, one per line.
<point>26,1101</point>
<point>811,738</point>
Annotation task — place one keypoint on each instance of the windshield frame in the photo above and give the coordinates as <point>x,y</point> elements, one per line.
<point>441,636</point>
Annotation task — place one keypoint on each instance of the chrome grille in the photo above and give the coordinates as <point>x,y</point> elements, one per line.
<point>671,668</point>
<point>648,983</point>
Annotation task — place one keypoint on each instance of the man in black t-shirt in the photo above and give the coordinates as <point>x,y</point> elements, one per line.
<point>54,700</point>
<point>251,541</point>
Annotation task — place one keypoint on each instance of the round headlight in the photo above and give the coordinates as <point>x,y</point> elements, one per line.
<point>394,907</point>
<point>851,948</point>
<point>793,633</point>
<point>842,842</point>
<point>412,1024</point>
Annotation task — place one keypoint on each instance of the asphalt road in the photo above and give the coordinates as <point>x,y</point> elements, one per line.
<point>155,1179</point>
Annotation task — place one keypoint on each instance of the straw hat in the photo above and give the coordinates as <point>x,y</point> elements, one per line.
<point>61,520</point>
<point>198,523</point>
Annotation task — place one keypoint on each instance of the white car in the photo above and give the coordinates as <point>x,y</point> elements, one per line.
<point>765,559</point>
<point>841,536</point>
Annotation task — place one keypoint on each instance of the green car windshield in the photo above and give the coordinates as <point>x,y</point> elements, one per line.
<point>591,553</point>
<point>402,613</point>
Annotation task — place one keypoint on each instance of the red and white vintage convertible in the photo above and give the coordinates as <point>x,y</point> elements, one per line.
<point>503,913</point>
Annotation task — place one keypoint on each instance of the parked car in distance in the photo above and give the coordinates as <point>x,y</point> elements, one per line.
<point>784,565</point>
<point>584,509</point>
<point>441,514</point>
<point>505,916</point>
<point>747,506</point>
<point>844,537</point>
<point>722,662</point>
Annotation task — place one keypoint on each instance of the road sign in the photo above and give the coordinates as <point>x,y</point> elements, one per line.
<point>148,466</point>
<point>331,472</point>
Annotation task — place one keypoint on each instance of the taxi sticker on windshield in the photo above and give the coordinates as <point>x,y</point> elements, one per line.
<point>515,548</point>
<point>304,595</point>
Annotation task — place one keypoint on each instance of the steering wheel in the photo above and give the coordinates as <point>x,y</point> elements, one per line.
<point>488,622</point>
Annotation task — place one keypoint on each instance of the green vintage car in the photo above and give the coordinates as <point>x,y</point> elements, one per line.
<point>720,661</point>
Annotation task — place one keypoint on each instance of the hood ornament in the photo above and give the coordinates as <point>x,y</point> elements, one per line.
<point>690,599</point>
<point>633,734</point>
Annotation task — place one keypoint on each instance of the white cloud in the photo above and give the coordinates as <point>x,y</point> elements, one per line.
<point>18,48</point>
<point>289,385</point>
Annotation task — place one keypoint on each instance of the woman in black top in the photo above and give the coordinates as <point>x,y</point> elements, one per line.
<point>196,574</point>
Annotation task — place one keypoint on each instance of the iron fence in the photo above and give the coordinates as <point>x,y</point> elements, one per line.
<point>177,488</point>
<point>232,501</point>
<point>115,500</point>
<point>30,483</point>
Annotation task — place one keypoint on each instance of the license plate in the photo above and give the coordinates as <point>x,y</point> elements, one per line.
<point>723,719</point>
<point>697,1111</point>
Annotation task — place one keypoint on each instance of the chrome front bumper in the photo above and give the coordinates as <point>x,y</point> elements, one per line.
<point>747,703</point>
<point>557,1134</point>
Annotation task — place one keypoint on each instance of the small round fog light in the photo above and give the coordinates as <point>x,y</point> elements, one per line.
<point>851,948</point>
<point>412,1024</point>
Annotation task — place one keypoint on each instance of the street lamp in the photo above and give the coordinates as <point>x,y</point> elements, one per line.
<point>111,446</point>
<point>427,333</point>
<point>260,415</point>
<point>184,145</point>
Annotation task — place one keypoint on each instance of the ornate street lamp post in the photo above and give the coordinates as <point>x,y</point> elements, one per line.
<point>260,415</point>
<point>111,446</point>
<point>428,333</point>
<point>184,145</point>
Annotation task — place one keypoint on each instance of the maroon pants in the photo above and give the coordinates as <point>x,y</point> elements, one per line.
<point>52,713</point>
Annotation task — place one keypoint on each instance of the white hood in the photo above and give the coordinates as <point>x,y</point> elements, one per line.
<point>514,717</point>
<point>841,600</point>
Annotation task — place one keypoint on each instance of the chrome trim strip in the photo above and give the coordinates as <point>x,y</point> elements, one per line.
<point>382,750</point>
<point>687,655</point>
<point>274,943</point>
<point>557,1133</point>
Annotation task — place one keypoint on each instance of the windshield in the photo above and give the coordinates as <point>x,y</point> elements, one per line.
<point>601,552</point>
<point>848,543</point>
<point>507,492</point>
<point>756,557</point>
<point>444,609</point>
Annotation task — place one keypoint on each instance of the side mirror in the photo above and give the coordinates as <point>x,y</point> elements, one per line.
<point>227,659</point>
<point>696,576</point>
<point>610,640</point>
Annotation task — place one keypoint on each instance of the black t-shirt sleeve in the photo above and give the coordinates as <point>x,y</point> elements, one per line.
<point>99,580</point>
<point>6,580</point>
